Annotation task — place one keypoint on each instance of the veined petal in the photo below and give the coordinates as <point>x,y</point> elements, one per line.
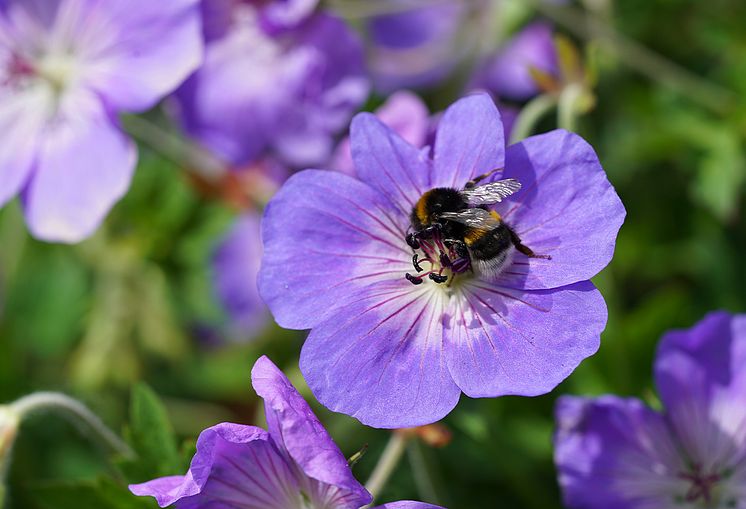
<point>614,453</point>
<point>701,378</point>
<point>386,162</point>
<point>566,209</point>
<point>84,165</point>
<point>234,466</point>
<point>501,341</point>
<point>380,359</point>
<point>326,238</point>
<point>295,429</point>
<point>137,51</point>
<point>469,142</point>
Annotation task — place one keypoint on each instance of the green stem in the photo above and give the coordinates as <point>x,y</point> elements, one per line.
<point>387,463</point>
<point>76,411</point>
<point>422,475</point>
<point>173,147</point>
<point>637,56</point>
<point>366,8</point>
<point>530,116</point>
<point>567,106</point>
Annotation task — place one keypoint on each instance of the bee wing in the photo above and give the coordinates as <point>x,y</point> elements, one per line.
<point>494,192</point>
<point>473,218</point>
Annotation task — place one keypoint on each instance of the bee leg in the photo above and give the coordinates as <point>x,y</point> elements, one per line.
<point>412,241</point>
<point>476,180</point>
<point>525,249</point>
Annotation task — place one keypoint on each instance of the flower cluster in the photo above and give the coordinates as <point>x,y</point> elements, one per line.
<point>294,464</point>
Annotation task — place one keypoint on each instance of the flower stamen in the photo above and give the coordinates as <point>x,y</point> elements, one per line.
<point>444,256</point>
<point>701,485</point>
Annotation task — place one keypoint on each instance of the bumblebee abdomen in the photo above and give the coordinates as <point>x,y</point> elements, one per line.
<point>486,244</point>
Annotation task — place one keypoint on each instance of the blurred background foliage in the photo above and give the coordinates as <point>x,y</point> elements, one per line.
<point>135,302</point>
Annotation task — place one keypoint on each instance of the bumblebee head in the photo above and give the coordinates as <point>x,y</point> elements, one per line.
<point>434,202</point>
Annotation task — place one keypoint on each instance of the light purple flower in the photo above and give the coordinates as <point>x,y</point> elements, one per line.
<point>67,68</point>
<point>393,354</point>
<point>615,453</point>
<point>260,91</point>
<point>508,73</point>
<point>293,465</point>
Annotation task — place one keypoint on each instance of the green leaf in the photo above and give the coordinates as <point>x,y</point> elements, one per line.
<point>101,493</point>
<point>151,435</point>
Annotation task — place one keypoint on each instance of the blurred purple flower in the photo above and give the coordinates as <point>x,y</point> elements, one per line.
<point>67,68</point>
<point>261,89</point>
<point>508,74</point>
<point>393,354</point>
<point>293,465</point>
<point>418,47</point>
<point>615,453</point>
<point>235,267</point>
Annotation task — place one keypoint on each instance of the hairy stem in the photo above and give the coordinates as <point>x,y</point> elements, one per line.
<point>175,148</point>
<point>530,116</point>
<point>75,411</point>
<point>387,463</point>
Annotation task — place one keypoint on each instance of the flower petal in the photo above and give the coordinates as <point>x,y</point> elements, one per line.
<point>326,237</point>
<point>379,358</point>
<point>84,166</point>
<point>469,142</point>
<point>405,113</point>
<point>701,378</point>
<point>615,453</point>
<point>501,341</point>
<point>22,116</point>
<point>141,50</point>
<point>566,209</point>
<point>295,428</point>
<point>388,163</point>
<point>234,466</point>
<point>235,267</point>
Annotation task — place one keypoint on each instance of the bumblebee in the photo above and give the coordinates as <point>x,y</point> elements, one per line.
<point>453,230</point>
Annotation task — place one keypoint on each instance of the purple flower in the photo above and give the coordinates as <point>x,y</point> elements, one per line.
<point>293,465</point>
<point>235,267</point>
<point>67,68</point>
<point>417,47</point>
<point>263,90</point>
<point>393,354</point>
<point>508,73</point>
<point>615,453</point>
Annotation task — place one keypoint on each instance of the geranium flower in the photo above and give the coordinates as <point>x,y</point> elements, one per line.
<point>67,68</point>
<point>265,89</point>
<point>393,354</point>
<point>616,453</point>
<point>293,465</point>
